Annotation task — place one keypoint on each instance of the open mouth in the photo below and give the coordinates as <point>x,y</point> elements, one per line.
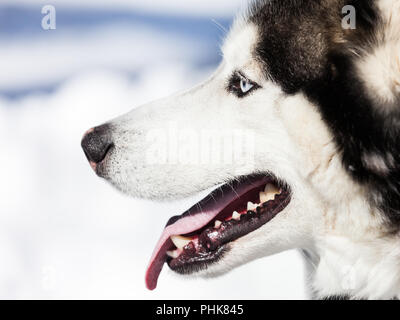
<point>199,237</point>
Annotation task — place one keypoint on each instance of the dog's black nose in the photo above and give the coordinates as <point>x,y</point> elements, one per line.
<point>96,143</point>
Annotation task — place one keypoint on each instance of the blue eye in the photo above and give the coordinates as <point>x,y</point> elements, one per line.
<point>246,85</point>
<point>240,85</point>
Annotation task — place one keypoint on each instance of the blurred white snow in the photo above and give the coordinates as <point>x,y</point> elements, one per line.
<point>64,233</point>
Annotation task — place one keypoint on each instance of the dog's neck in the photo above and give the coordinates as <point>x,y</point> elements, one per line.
<point>354,254</point>
<point>340,266</point>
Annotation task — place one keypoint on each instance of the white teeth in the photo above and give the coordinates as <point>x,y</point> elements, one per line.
<point>251,206</point>
<point>264,196</point>
<point>269,193</point>
<point>173,254</point>
<point>217,224</point>
<point>180,241</point>
<point>236,216</point>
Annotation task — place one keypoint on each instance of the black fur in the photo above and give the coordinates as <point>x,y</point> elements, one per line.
<point>299,51</point>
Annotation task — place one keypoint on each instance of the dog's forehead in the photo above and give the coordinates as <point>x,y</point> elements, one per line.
<point>238,49</point>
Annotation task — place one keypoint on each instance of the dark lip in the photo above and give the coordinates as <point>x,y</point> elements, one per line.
<point>187,265</point>
<point>212,249</point>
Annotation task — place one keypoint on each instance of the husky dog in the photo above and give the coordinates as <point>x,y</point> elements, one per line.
<point>319,103</point>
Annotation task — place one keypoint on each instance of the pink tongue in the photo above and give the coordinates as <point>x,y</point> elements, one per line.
<point>195,220</point>
<point>182,226</point>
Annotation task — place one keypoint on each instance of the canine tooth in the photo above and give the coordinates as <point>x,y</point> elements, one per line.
<point>264,196</point>
<point>180,241</point>
<point>173,254</point>
<point>217,224</point>
<point>251,206</point>
<point>236,216</point>
<point>269,193</point>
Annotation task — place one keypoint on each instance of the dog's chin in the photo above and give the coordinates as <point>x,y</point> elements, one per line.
<point>197,241</point>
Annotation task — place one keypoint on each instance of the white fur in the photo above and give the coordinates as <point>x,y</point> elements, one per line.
<point>329,215</point>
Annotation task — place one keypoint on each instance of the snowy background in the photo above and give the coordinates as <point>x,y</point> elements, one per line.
<point>64,233</point>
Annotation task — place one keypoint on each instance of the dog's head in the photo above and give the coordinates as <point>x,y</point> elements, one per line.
<point>293,131</point>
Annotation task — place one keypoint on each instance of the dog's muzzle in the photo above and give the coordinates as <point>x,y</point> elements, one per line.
<point>96,144</point>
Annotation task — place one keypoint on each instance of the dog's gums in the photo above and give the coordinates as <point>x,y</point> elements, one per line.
<point>192,241</point>
<point>195,250</point>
